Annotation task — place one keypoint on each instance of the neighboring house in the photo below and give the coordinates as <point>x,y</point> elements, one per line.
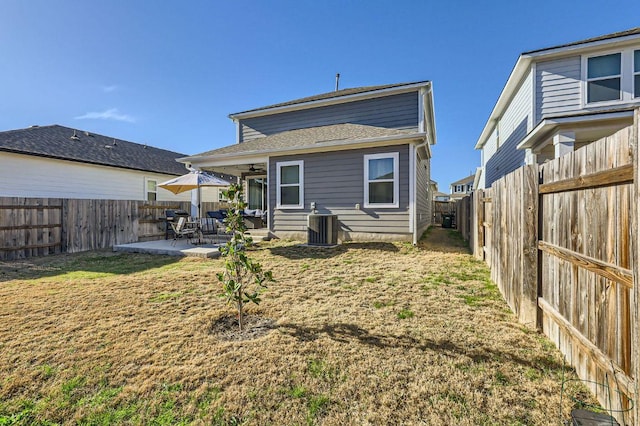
<point>441,196</point>
<point>60,162</point>
<point>461,188</point>
<point>560,98</point>
<point>362,154</point>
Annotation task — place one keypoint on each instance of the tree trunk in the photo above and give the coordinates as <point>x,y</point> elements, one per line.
<point>240,313</point>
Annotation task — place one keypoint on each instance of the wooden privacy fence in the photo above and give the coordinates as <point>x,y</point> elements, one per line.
<point>562,242</point>
<point>440,208</point>
<point>32,227</point>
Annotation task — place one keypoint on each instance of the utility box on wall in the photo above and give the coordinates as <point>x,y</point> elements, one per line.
<point>322,229</point>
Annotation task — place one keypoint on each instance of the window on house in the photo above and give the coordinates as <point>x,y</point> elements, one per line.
<point>221,196</point>
<point>290,185</point>
<point>381,180</point>
<point>604,78</point>
<point>458,188</point>
<point>152,192</point>
<point>636,74</point>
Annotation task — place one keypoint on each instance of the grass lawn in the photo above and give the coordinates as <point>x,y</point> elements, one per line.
<point>375,333</point>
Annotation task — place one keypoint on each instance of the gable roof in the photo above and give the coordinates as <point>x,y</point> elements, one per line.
<point>311,137</point>
<point>60,143</point>
<point>333,95</point>
<point>523,64</point>
<point>464,180</point>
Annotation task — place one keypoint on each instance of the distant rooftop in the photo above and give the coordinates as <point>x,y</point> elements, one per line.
<point>65,143</point>
<point>334,94</point>
<point>619,34</point>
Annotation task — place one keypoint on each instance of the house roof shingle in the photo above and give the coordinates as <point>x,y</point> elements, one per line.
<point>334,94</point>
<point>306,138</point>
<point>58,142</point>
<point>632,31</point>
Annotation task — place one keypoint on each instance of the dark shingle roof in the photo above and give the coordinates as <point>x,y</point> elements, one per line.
<point>619,34</point>
<point>57,142</point>
<point>334,94</point>
<point>306,138</point>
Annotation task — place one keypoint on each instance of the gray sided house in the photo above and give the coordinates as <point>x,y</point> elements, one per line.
<point>362,154</point>
<point>559,99</point>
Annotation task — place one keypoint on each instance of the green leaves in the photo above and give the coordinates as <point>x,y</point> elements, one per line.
<point>243,279</point>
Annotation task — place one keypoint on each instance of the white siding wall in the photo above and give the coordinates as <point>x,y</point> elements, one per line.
<point>37,177</point>
<point>490,147</point>
<point>519,109</point>
<point>513,126</point>
<point>557,87</point>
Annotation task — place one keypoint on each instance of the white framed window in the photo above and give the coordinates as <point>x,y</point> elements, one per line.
<point>381,180</point>
<point>609,78</point>
<point>221,197</point>
<point>636,74</point>
<point>290,184</point>
<point>604,78</point>
<point>151,189</point>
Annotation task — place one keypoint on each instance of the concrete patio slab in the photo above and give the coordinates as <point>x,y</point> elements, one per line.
<point>171,248</point>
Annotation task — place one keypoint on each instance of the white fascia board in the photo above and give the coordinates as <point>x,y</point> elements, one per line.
<point>217,161</point>
<point>548,124</point>
<point>248,157</point>
<point>430,115</point>
<point>330,101</point>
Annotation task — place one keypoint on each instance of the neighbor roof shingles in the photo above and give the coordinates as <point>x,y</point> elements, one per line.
<point>305,138</point>
<point>55,142</point>
<point>329,95</point>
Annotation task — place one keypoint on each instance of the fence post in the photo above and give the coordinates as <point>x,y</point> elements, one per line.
<point>635,247</point>
<point>478,214</point>
<point>529,258</point>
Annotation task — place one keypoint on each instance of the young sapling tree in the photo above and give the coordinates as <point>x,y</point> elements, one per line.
<point>243,279</point>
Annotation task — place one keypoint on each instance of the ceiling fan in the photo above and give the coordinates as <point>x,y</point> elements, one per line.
<point>254,169</point>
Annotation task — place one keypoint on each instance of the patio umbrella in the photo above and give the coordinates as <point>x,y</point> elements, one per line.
<point>195,179</point>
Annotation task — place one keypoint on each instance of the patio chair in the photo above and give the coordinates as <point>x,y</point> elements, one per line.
<point>180,229</point>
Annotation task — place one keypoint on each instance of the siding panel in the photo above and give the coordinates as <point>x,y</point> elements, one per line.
<point>423,196</point>
<point>396,112</point>
<point>51,178</point>
<point>339,190</point>
<point>557,87</point>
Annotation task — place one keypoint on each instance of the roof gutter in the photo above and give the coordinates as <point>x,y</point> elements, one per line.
<point>329,101</point>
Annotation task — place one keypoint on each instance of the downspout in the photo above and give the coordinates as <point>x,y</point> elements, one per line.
<point>412,193</point>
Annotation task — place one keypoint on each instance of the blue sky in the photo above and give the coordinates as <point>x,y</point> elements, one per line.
<point>168,73</point>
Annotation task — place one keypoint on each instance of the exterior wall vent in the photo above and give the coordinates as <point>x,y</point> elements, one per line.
<point>322,230</point>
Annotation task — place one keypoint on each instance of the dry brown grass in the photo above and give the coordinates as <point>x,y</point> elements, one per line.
<point>374,333</point>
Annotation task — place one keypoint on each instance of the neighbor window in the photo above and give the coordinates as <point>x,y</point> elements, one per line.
<point>381,180</point>
<point>290,185</point>
<point>604,76</point>
<point>221,196</point>
<point>636,74</point>
<point>152,193</point>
